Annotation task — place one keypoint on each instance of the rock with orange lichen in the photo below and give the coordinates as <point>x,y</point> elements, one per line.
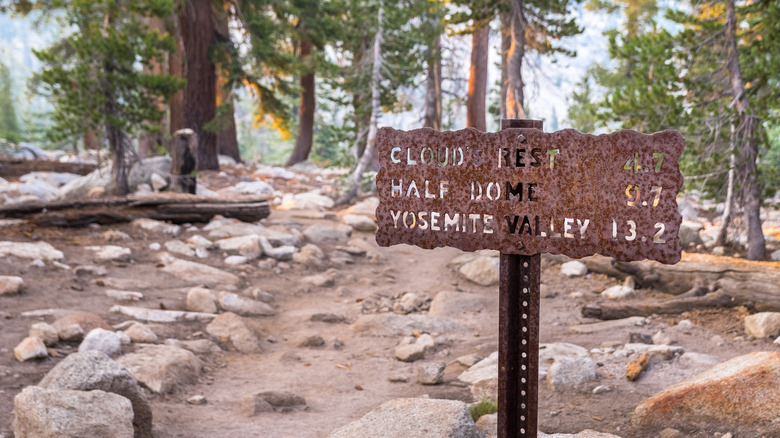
<point>740,395</point>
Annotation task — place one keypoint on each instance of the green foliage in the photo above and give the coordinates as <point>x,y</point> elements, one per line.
<point>94,76</point>
<point>485,406</point>
<point>9,123</point>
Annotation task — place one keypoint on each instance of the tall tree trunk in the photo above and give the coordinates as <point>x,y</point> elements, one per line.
<point>433,87</point>
<point>369,155</point>
<point>176,68</point>
<point>475,105</point>
<point>148,142</point>
<point>200,94</point>
<point>305,138</point>
<point>514,95</point>
<point>359,98</point>
<point>506,43</point>
<point>748,152</point>
<point>227,139</point>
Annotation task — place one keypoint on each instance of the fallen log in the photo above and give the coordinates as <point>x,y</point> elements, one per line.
<point>173,207</point>
<point>609,310</point>
<point>10,167</point>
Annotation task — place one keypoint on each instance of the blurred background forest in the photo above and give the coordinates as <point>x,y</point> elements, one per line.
<point>286,81</point>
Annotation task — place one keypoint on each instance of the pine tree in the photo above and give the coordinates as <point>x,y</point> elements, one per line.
<point>9,123</point>
<point>94,78</point>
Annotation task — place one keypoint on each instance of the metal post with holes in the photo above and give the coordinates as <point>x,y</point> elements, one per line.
<point>518,334</point>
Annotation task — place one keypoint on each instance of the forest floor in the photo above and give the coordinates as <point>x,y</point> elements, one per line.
<point>348,376</point>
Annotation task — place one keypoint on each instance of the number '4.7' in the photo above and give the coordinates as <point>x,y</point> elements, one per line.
<point>636,166</point>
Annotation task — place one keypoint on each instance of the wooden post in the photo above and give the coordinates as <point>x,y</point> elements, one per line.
<point>184,161</point>
<point>518,335</point>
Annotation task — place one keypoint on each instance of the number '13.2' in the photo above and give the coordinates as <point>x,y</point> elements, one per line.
<point>660,228</point>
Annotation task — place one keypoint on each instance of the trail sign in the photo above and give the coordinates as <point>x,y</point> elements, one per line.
<point>523,191</point>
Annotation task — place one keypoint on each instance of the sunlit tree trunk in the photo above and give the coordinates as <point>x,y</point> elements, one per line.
<point>475,105</point>
<point>514,95</point>
<point>305,138</point>
<point>433,87</point>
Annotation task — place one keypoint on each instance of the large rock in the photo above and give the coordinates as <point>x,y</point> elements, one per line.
<point>140,173</point>
<point>28,250</point>
<point>93,370</point>
<point>246,245</point>
<point>201,300</point>
<point>413,417</point>
<point>360,222</point>
<point>161,368</point>
<point>46,332</point>
<point>198,273</point>
<point>256,188</point>
<point>739,395</point>
<point>156,226</point>
<point>10,284</point>
<point>306,201</point>
<point>230,329</point>
<point>51,413</point>
<point>390,324</point>
<point>689,235</point>
<point>763,324</point>
<point>482,270</point>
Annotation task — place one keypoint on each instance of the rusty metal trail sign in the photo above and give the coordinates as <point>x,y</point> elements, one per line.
<point>523,192</point>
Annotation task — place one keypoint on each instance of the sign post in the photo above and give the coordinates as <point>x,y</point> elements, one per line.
<point>524,192</point>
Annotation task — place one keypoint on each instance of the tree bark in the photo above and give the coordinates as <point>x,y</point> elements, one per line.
<point>305,138</point>
<point>514,95</point>
<point>433,87</point>
<point>725,219</point>
<point>184,161</point>
<point>200,94</point>
<point>748,152</point>
<point>227,139</point>
<point>475,105</point>
<point>608,310</point>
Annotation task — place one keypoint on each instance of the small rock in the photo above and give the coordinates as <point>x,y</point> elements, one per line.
<point>360,222</point>
<point>124,295</point>
<point>621,291</point>
<point>158,182</point>
<point>156,226</point>
<point>304,340</point>
<point>408,303</point>
<point>161,368</point>
<point>197,346</point>
<point>231,330</point>
<point>487,425</point>
<point>154,246</point>
<point>97,271</point>
<point>45,332</point>
<point>248,245</point>
<point>124,339</point>
<point>260,295</point>
<point>199,241</point>
<point>763,324</point>
<point>235,260</point>
<point>115,236</point>
<point>10,284</point>
<point>30,348</point>
<point>601,389</point>
<point>281,253</point>
<point>574,268</point>
<point>27,250</point>
<point>775,256</point>
<point>197,273</point>
<point>319,233</point>
<point>44,412</point>
<point>197,400</point>
<point>431,373</point>
<point>141,333</point>
<point>101,340</point>
<point>266,401</point>
<point>409,352</point>
<point>640,338</point>
<point>319,280</point>
<point>179,247</point>
<point>571,373</point>
<point>85,322</point>
<point>482,270</point>
<point>670,433</point>
<point>110,252</point>
<point>244,306</point>
<point>330,318</point>
<point>661,338</point>
<point>201,300</point>
<point>311,256</point>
